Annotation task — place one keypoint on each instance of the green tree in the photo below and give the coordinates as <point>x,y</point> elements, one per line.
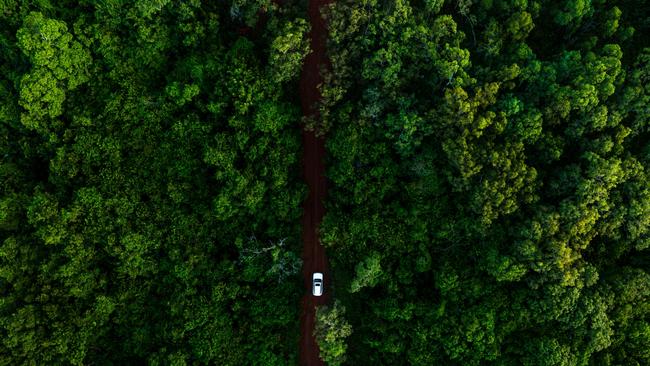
<point>331,330</point>
<point>60,64</point>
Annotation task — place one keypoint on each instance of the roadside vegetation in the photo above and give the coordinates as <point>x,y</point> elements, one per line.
<point>150,196</point>
<point>490,165</point>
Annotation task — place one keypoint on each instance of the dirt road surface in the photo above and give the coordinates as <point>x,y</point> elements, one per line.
<point>313,254</point>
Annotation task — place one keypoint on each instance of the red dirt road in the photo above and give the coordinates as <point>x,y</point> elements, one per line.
<point>313,253</point>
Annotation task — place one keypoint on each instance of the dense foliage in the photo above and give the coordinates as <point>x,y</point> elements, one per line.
<point>330,332</point>
<point>149,182</point>
<point>490,169</point>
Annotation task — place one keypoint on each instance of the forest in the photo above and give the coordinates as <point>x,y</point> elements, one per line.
<point>490,181</point>
<point>488,169</point>
<point>149,182</point>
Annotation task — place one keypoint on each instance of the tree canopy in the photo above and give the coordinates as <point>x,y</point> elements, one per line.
<point>488,167</point>
<point>149,195</point>
<point>489,163</point>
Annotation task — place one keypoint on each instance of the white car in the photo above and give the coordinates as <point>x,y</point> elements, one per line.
<point>317,284</point>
